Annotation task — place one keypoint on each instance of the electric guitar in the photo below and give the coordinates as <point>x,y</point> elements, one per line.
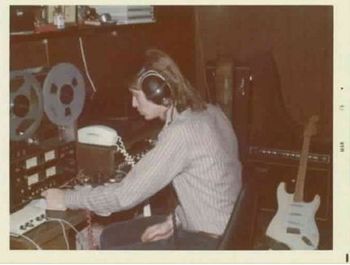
<point>294,223</point>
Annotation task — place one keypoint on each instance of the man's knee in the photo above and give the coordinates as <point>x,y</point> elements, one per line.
<point>127,232</point>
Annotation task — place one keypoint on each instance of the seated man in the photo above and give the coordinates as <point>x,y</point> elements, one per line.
<point>196,151</point>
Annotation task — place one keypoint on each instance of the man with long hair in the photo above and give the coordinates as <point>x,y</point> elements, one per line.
<point>196,151</point>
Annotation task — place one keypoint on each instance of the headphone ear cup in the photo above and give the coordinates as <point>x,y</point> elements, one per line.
<point>155,88</point>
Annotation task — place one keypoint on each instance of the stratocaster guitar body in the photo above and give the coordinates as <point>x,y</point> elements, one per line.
<point>294,222</point>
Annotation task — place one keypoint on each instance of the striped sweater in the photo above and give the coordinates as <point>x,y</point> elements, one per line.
<point>198,152</point>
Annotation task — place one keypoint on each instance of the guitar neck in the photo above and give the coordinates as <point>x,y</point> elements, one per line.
<point>299,186</point>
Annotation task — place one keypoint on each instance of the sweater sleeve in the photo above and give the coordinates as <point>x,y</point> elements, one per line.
<point>153,172</point>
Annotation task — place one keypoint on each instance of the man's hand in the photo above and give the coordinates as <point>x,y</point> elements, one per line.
<point>158,231</point>
<point>55,199</point>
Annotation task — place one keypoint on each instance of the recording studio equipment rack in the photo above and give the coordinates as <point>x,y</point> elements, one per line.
<point>45,104</point>
<point>39,169</point>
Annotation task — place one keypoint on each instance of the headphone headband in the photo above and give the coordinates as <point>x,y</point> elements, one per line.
<point>155,86</point>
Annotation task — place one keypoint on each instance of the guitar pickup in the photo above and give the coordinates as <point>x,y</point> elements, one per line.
<point>292,230</point>
<point>297,205</point>
<point>295,214</point>
<point>294,223</point>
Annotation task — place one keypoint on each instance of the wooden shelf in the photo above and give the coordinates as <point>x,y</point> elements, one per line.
<point>74,30</point>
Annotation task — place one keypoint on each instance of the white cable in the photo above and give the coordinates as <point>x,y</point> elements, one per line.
<point>121,148</point>
<point>69,224</point>
<point>130,160</point>
<point>63,230</point>
<point>85,64</point>
<point>28,239</point>
<point>64,234</point>
<point>46,43</point>
<point>121,172</point>
<point>64,221</point>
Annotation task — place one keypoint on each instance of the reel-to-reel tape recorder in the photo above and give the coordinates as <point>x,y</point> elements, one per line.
<point>44,108</point>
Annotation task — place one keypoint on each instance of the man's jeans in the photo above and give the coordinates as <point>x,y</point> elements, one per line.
<point>127,236</point>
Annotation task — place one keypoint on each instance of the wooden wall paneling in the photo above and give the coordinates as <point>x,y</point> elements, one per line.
<point>174,33</point>
<point>28,55</point>
<point>300,38</point>
<point>64,49</point>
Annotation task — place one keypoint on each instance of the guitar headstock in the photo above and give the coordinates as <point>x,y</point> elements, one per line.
<point>310,128</point>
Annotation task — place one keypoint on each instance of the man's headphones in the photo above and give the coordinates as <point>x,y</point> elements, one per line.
<point>155,87</point>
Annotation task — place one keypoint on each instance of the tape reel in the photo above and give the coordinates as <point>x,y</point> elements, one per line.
<point>26,105</point>
<point>63,94</point>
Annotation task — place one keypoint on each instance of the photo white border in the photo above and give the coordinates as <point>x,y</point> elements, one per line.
<point>341,164</point>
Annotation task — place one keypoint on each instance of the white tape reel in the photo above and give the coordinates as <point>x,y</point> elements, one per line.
<point>63,94</point>
<point>26,107</point>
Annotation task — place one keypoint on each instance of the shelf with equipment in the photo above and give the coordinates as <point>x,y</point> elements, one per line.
<point>74,30</point>
<point>39,22</point>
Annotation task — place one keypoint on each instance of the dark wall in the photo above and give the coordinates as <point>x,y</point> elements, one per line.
<point>112,56</point>
<point>300,38</point>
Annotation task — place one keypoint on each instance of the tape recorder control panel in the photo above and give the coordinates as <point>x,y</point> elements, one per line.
<point>40,170</point>
<point>44,107</point>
